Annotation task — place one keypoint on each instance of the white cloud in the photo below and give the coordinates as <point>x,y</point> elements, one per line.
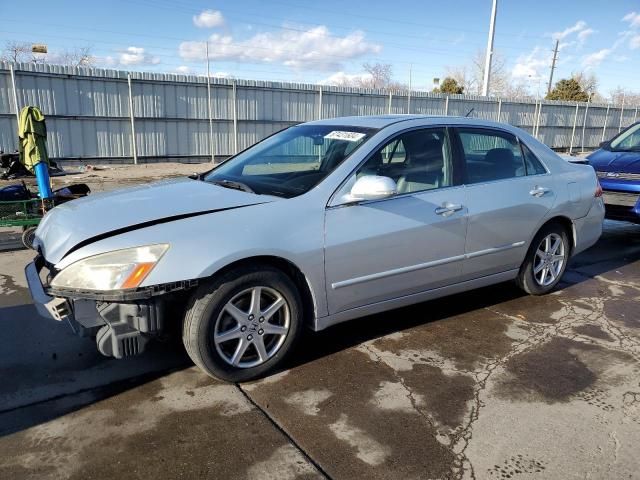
<point>632,18</point>
<point>532,66</point>
<point>313,48</point>
<point>208,19</point>
<point>137,56</point>
<point>222,75</point>
<point>345,79</point>
<point>596,58</point>
<point>579,26</point>
<point>584,34</point>
<point>634,42</point>
<point>183,69</point>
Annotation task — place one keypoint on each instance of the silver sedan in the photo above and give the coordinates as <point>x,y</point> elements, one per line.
<point>317,224</point>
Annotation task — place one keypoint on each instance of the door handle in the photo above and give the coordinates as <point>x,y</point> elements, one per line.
<point>448,208</point>
<point>539,191</point>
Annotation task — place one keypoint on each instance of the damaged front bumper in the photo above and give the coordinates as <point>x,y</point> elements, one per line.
<point>122,322</point>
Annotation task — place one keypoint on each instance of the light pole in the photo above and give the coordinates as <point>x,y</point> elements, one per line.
<point>487,61</point>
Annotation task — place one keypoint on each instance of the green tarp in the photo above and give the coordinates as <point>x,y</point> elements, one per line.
<point>32,136</point>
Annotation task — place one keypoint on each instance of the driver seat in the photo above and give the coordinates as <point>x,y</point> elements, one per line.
<point>425,165</point>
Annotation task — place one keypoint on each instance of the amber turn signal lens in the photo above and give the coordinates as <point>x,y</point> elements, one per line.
<point>138,274</point>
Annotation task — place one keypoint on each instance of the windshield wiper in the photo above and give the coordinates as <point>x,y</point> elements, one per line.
<point>233,185</point>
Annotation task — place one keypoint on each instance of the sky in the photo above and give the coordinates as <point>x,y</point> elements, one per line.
<point>324,42</point>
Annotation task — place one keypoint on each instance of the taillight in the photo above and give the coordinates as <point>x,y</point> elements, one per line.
<point>598,190</point>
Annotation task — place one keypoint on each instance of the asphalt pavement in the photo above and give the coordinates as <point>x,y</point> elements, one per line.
<point>486,384</point>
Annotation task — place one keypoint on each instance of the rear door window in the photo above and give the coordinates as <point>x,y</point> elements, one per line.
<point>490,155</point>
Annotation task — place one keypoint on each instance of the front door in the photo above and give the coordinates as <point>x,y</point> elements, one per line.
<point>408,243</point>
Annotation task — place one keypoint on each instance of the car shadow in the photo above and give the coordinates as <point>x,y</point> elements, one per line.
<point>619,246</point>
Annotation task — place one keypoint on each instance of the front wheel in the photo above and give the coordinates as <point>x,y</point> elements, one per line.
<point>546,260</point>
<point>243,325</point>
<point>28,236</point>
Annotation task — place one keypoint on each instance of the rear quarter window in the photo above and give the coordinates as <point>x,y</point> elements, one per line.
<point>532,164</point>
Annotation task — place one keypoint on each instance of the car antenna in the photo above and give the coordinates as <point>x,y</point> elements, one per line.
<point>470,112</point>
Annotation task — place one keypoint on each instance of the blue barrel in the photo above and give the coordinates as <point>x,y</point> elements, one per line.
<point>42,177</point>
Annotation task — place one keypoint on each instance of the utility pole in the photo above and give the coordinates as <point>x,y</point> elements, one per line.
<point>213,153</point>
<point>487,61</point>
<point>410,86</point>
<point>553,66</point>
<point>621,112</point>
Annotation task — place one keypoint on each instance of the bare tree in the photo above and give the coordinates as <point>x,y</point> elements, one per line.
<point>463,77</point>
<point>76,57</point>
<point>381,76</point>
<point>620,94</point>
<point>516,90</point>
<point>588,81</point>
<point>21,52</point>
<point>378,75</point>
<point>470,76</point>
<point>16,52</point>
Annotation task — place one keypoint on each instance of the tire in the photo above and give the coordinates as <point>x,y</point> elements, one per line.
<point>221,319</point>
<point>28,235</point>
<point>530,278</point>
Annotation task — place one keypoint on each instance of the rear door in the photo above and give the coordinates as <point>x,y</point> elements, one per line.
<point>507,193</point>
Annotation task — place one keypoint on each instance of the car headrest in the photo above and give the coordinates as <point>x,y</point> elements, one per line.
<point>500,156</point>
<point>425,154</point>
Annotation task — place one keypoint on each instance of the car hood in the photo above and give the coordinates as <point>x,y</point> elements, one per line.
<point>607,161</point>
<point>77,223</point>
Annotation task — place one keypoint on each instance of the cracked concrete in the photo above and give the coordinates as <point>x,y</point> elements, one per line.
<point>486,384</point>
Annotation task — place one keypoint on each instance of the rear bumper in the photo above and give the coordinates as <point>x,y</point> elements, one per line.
<point>589,228</point>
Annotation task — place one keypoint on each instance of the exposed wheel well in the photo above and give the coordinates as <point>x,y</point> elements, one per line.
<point>568,226</point>
<point>288,268</point>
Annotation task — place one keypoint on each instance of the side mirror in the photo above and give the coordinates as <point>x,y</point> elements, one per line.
<point>373,187</point>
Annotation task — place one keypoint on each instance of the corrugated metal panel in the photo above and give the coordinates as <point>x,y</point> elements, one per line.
<point>8,134</point>
<point>88,111</point>
<point>6,98</point>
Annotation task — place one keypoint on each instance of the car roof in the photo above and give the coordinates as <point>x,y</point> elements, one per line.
<point>382,121</point>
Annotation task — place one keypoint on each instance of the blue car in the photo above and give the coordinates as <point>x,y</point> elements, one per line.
<point>617,164</point>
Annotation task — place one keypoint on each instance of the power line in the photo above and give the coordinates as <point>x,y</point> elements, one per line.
<point>189,7</point>
<point>172,6</point>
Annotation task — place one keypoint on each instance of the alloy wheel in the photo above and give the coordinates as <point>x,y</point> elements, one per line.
<point>549,260</point>
<point>252,327</point>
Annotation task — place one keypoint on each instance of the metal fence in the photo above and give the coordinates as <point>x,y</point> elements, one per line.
<point>93,114</point>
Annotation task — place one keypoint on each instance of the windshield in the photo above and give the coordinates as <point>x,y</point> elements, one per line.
<point>627,141</point>
<point>292,161</point>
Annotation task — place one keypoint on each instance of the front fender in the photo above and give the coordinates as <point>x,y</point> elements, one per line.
<point>201,246</point>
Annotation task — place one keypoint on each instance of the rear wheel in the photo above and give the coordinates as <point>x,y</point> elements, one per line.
<point>244,324</point>
<point>546,260</point>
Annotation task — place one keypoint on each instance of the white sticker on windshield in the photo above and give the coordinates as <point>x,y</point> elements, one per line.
<point>348,136</point>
